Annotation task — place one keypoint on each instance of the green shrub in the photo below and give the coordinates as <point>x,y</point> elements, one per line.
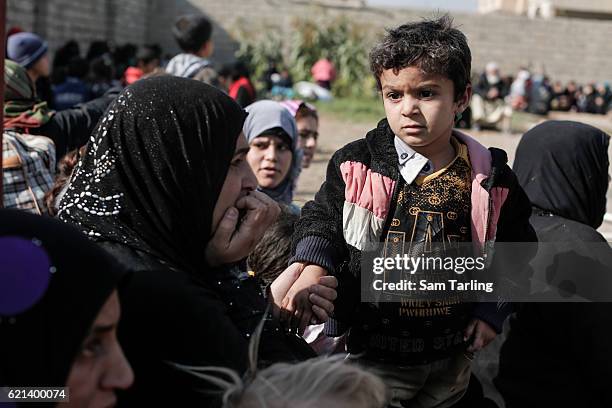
<point>345,43</point>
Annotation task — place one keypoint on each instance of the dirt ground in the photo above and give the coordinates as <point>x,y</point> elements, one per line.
<point>336,133</point>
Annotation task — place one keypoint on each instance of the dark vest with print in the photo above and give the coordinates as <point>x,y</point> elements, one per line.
<point>430,217</point>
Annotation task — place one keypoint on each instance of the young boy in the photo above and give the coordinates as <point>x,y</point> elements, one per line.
<point>193,34</point>
<point>412,176</point>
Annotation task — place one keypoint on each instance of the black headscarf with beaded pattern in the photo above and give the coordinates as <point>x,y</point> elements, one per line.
<point>154,169</point>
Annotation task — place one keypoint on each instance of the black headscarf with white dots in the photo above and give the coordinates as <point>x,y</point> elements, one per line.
<point>154,169</point>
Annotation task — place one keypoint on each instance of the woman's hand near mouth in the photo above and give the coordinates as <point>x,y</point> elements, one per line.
<point>233,241</point>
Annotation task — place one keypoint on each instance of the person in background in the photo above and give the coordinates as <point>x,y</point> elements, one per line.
<point>560,99</point>
<point>61,59</point>
<point>519,90</point>
<point>488,105</point>
<point>540,95</point>
<point>235,78</point>
<point>97,49</point>
<point>558,352</point>
<point>193,34</point>
<point>123,56</point>
<point>324,73</point>
<point>29,51</point>
<point>273,155</point>
<point>603,98</point>
<point>59,312</point>
<point>586,100</point>
<point>267,76</point>
<point>101,76</point>
<point>148,59</point>
<point>307,121</point>
<point>25,113</point>
<point>74,90</point>
<point>282,85</point>
<point>573,93</point>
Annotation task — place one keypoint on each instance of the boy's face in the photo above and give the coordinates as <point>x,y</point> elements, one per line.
<point>421,108</point>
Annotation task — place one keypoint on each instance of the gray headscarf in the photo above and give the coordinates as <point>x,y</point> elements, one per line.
<point>265,115</point>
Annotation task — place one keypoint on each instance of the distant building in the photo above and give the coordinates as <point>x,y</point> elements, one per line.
<point>586,9</point>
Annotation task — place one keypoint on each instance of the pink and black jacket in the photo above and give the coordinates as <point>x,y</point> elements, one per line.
<point>355,204</point>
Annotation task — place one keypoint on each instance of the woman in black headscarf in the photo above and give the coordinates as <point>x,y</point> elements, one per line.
<point>161,187</point>
<point>58,323</point>
<point>560,354</point>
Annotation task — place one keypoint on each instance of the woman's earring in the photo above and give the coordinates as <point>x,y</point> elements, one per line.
<point>458,116</point>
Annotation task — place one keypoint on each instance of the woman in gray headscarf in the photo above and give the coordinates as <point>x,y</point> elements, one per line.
<point>274,155</point>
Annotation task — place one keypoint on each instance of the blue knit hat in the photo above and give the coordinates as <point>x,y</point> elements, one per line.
<point>25,48</point>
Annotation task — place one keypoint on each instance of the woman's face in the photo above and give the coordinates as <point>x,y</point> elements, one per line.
<point>308,129</point>
<point>270,158</point>
<point>238,182</point>
<point>100,368</point>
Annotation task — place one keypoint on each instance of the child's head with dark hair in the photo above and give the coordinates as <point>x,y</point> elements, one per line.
<point>423,71</point>
<point>434,46</point>
<point>148,57</point>
<point>101,69</point>
<point>77,67</point>
<point>148,53</point>
<point>97,49</point>
<point>193,32</point>
<point>65,168</point>
<point>234,71</point>
<point>307,120</point>
<point>271,255</point>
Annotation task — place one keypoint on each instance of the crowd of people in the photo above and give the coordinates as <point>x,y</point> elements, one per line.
<point>497,96</point>
<point>152,254</point>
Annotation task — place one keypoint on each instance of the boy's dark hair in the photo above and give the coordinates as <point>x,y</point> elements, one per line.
<point>271,255</point>
<point>434,46</point>
<point>191,31</point>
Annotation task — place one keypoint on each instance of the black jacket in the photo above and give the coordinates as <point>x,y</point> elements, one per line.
<point>70,129</point>
<point>320,236</point>
<point>206,322</point>
<point>560,354</point>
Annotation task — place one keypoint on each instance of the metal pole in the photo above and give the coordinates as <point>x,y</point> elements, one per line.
<point>2,56</point>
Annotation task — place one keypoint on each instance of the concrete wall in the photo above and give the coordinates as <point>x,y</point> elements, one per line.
<point>58,21</point>
<point>567,48</point>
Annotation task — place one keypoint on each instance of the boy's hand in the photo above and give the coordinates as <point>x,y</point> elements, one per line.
<point>232,242</point>
<point>296,307</point>
<point>321,294</point>
<point>283,282</point>
<point>482,335</point>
